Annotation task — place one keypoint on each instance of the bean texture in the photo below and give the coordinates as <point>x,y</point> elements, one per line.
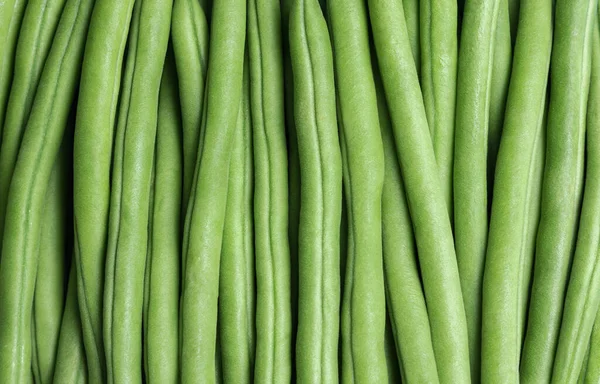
<point>92,154</point>
<point>517,194</point>
<point>428,211</point>
<point>206,209</point>
<point>363,297</point>
<point>562,184</point>
<point>39,149</point>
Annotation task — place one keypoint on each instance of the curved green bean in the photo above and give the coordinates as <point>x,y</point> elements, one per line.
<point>39,149</point>
<point>237,292</point>
<point>363,297</point>
<point>35,37</point>
<point>130,192</point>
<point>592,372</point>
<point>190,44</point>
<point>205,216</point>
<point>517,194</point>
<point>161,309</point>
<point>405,300</point>
<point>92,154</point>
<point>430,220</point>
<point>562,184</point>
<point>583,291</point>
<point>439,47</point>
<point>320,195</point>
<point>70,356</point>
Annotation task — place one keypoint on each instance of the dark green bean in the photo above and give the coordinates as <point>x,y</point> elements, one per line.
<point>162,265</point>
<point>562,184</point>
<point>320,195</point>
<point>426,203</point>
<point>517,194</point>
<point>205,216</point>
<point>39,149</point>
<point>583,291</point>
<point>92,153</point>
<point>190,44</point>
<point>363,297</point>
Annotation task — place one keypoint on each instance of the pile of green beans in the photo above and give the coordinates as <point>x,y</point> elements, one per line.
<point>300,191</point>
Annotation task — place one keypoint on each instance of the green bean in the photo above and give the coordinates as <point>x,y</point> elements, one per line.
<point>35,37</point>
<point>363,297</point>
<point>92,153</point>
<point>190,44</point>
<point>205,216</point>
<point>49,295</point>
<point>583,291</point>
<point>431,223</point>
<point>320,195</point>
<point>70,356</point>
<point>162,265</point>
<point>501,70</point>
<point>237,293</point>
<point>439,46</point>
<point>412,8</point>
<point>11,15</point>
<point>39,149</point>
<point>131,183</point>
<point>582,372</point>
<point>592,373</point>
<point>562,184</point>
<point>517,194</point>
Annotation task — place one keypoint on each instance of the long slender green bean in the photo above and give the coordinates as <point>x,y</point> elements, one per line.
<point>131,183</point>
<point>162,266</point>
<point>237,291</point>
<point>517,194</point>
<point>405,299</point>
<point>92,153</point>
<point>39,149</point>
<point>430,221</point>
<point>190,44</point>
<point>70,356</point>
<point>320,195</point>
<point>54,246</point>
<point>363,297</point>
<point>412,9</point>
<point>592,372</point>
<point>562,184</point>
<point>439,47</point>
<point>583,291</point>
<point>11,15</point>
<point>35,37</point>
<point>205,216</point>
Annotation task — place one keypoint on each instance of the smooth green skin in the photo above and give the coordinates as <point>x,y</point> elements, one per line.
<point>513,16</point>
<point>412,9</point>
<point>190,44</point>
<point>273,311</point>
<point>363,297</point>
<point>405,299</point>
<point>237,291</point>
<point>203,230</point>
<point>39,150</point>
<point>439,60</point>
<point>92,154</point>
<point>431,224</point>
<point>11,15</point>
<point>583,370</point>
<point>50,288</point>
<point>320,194</point>
<point>473,119</point>
<point>517,195</point>
<point>501,72</point>
<point>70,356</point>
<point>583,291</point>
<point>131,184</point>
<point>161,308</point>
<point>562,184</point>
<point>35,37</point>
<point>592,373</point>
